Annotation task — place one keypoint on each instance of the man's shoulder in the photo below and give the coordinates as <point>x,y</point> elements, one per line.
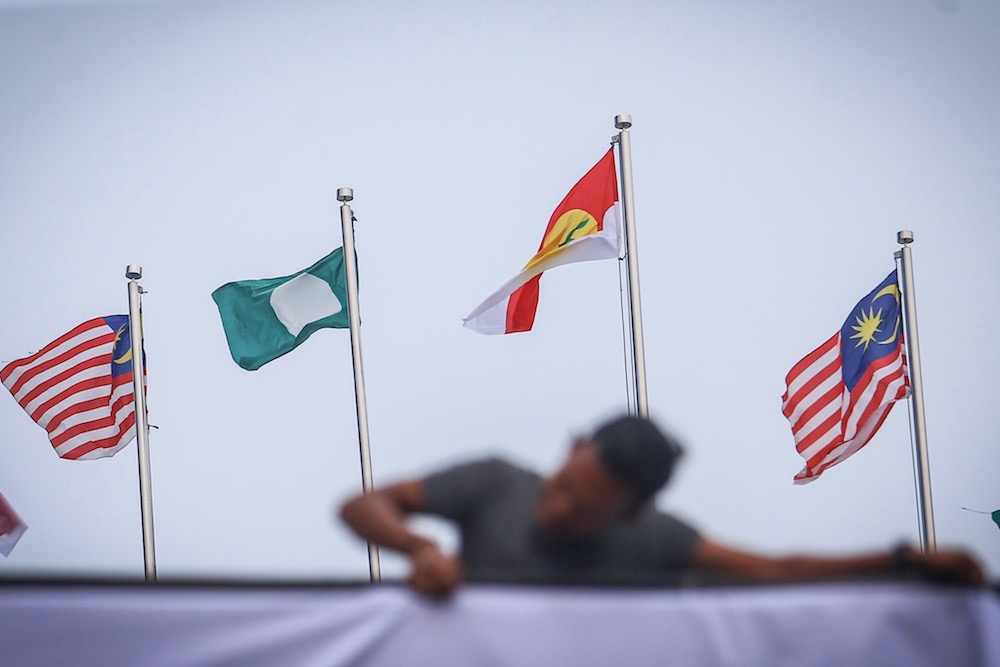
<point>457,491</point>
<point>504,466</point>
<point>491,467</point>
<point>655,538</point>
<point>655,516</point>
<point>657,524</point>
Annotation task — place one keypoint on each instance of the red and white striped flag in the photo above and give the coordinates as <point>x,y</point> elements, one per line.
<point>12,527</point>
<point>79,388</point>
<point>583,227</point>
<point>837,397</point>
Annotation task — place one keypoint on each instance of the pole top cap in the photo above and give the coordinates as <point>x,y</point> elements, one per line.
<point>623,121</point>
<point>345,194</point>
<point>133,272</point>
<point>904,236</point>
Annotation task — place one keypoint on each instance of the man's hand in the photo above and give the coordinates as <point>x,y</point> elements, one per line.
<point>380,518</point>
<point>946,566</point>
<point>432,572</point>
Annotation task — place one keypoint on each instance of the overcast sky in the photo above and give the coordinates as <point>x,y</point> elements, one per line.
<point>778,147</point>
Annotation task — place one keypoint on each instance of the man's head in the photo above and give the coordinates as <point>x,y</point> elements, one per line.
<point>607,477</point>
<point>638,454</point>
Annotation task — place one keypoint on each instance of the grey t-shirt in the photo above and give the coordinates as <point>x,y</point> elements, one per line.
<point>493,503</point>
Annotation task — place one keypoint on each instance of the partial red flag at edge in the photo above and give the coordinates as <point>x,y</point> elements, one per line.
<point>12,527</point>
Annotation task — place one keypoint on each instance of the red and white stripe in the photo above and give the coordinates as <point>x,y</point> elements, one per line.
<point>829,422</point>
<point>68,389</point>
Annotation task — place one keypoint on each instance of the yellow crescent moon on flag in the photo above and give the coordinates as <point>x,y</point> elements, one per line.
<point>127,357</point>
<point>571,225</point>
<point>893,291</point>
<point>886,291</point>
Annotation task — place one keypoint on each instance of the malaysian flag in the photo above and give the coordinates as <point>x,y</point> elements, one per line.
<point>839,394</point>
<point>79,388</point>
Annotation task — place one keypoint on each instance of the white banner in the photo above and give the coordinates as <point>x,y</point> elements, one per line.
<point>881,625</point>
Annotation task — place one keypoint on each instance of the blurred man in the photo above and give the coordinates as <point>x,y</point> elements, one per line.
<point>592,521</point>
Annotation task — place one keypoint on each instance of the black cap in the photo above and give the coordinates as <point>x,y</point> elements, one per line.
<point>637,453</point>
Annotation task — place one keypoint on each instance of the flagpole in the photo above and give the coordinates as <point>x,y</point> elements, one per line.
<point>623,122</point>
<point>921,469</point>
<point>344,195</point>
<point>133,272</point>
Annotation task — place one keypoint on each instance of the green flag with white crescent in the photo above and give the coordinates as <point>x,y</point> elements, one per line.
<point>264,319</point>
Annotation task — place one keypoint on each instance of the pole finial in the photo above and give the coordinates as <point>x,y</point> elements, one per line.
<point>133,272</point>
<point>904,236</point>
<point>345,194</point>
<point>623,121</point>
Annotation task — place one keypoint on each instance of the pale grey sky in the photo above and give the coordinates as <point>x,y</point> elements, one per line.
<point>778,147</point>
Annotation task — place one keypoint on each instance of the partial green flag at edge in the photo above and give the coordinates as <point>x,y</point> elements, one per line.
<point>265,319</point>
<point>995,514</point>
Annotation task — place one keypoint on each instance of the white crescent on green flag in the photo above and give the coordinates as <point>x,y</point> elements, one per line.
<point>267,318</point>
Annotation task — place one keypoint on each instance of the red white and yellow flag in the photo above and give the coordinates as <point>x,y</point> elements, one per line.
<point>583,227</point>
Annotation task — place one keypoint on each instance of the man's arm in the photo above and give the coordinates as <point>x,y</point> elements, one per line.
<point>380,517</point>
<point>945,565</point>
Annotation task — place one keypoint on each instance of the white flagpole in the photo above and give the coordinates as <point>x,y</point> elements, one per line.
<point>921,469</point>
<point>344,195</point>
<point>623,122</point>
<point>133,272</point>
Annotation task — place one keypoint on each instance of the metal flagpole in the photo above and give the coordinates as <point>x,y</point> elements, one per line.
<point>623,122</point>
<point>626,336</point>
<point>921,469</point>
<point>133,272</point>
<point>344,195</point>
